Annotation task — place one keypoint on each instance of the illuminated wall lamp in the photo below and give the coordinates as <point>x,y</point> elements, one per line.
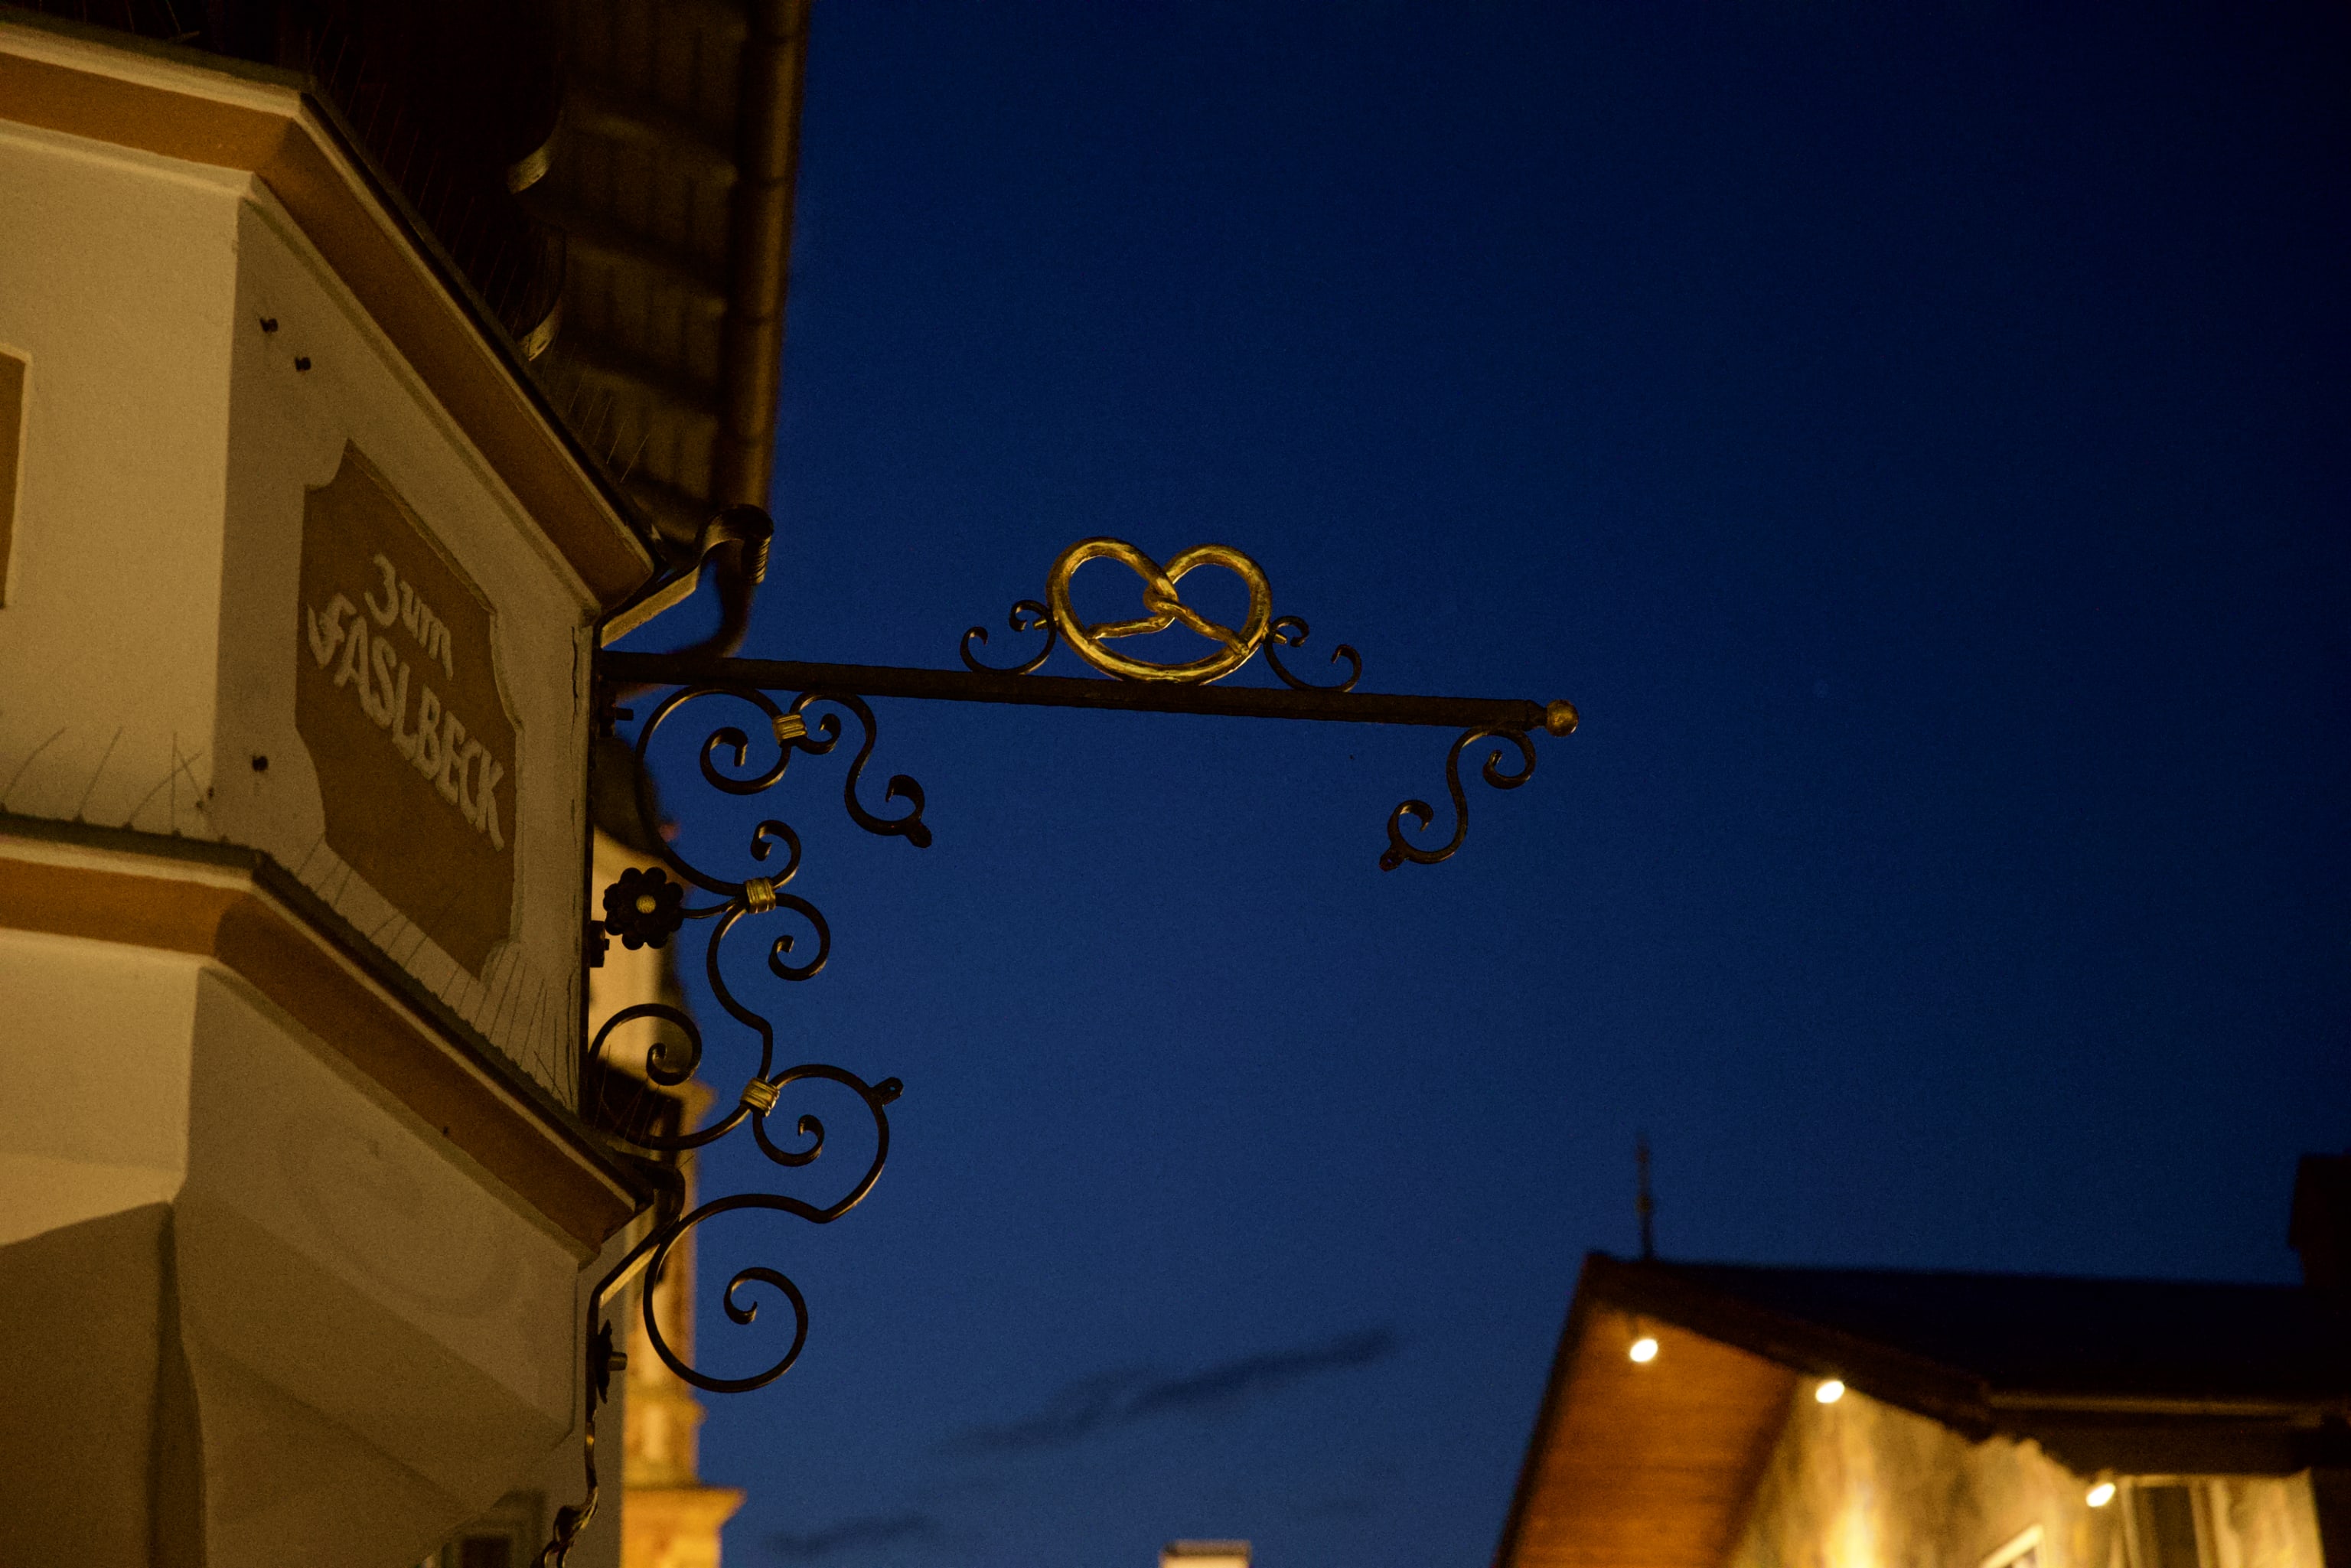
<point>1645,1350</point>
<point>1829,1391</point>
<point>2100,1494</point>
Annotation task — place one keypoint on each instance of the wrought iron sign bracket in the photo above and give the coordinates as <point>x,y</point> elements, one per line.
<point>1503,718</point>
<point>646,908</point>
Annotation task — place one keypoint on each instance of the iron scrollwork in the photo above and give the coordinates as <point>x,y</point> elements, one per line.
<point>646,908</point>
<point>1400,850</point>
<point>1026,616</point>
<point>1058,620</point>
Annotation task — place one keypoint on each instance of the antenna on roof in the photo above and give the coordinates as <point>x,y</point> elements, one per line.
<point>1645,1203</point>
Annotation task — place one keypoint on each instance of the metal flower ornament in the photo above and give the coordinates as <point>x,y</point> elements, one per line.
<point>646,908</point>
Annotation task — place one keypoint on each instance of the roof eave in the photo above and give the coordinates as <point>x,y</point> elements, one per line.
<point>202,109</point>
<point>1959,1399</point>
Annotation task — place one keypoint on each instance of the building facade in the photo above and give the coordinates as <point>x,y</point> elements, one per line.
<point>304,551</point>
<point>1729,1417</point>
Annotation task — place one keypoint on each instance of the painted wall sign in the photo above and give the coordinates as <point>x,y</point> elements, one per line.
<point>396,696</point>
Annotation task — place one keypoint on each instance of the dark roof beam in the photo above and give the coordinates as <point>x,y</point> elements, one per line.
<point>647,125</point>
<point>611,243</point>
<point>649,382</point>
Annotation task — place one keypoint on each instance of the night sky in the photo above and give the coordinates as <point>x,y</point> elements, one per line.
<point>1917,444</point>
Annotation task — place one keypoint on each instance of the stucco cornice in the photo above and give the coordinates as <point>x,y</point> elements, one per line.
<point>236,908</point>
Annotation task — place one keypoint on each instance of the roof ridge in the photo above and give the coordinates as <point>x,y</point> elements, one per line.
<point>1819,1270</point>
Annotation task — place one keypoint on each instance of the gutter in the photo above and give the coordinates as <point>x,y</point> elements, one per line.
<point>774,66</point>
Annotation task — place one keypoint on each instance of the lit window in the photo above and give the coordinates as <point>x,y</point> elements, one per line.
<point>2022,1551</point>
<point>2163,1524</point>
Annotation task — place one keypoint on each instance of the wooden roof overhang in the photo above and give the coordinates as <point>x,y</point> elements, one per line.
<point>673,178</point>
<point>124,92</point>
<point>1641,1465</point>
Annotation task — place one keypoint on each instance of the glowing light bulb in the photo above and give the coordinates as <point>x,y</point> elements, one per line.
<point>1644,1349</point>
<point>2100,1494</point>
<point>1830,1392</point>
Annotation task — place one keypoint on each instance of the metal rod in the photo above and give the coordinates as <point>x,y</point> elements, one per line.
<point>1063,691</point>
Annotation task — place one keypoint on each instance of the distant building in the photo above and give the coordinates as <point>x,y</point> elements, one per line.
<point>669,1519</point>
<point>1710,1416</point>
<point>1205,1554</point>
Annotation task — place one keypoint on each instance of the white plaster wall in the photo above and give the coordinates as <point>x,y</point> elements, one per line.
<point>94,1060</point>
<point>292,1140</point>
<point>560,1477</point>
<point>377,1341</point>
<point>147,648</point>
<point>1863,1482</point>
<point>1860,1483</point>
<point>287,430</point>
<point>380,1347</point>
<point>117,275</point>
<point>2262,1521</point>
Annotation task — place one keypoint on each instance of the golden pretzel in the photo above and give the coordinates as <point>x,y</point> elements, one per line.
<point>1159,597</point>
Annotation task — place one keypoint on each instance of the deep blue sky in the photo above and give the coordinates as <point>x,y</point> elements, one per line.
<point>1916,442</point>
